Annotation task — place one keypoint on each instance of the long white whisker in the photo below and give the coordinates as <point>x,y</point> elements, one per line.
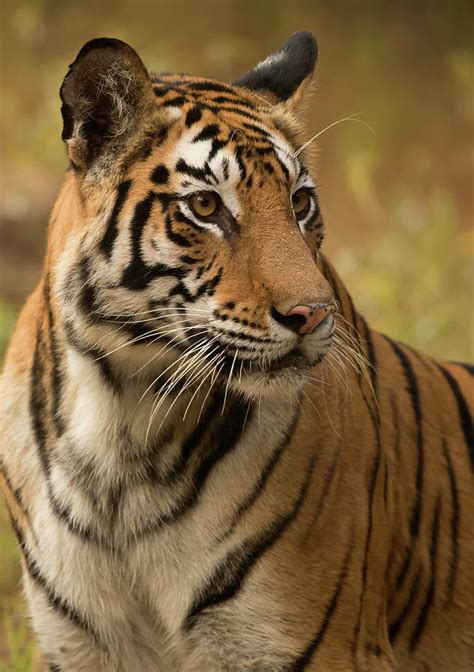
<point>228,380</point>
<point>212,366</point>
<point>351,117</point>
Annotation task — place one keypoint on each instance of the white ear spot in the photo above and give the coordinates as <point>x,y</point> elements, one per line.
<point>271,60</point>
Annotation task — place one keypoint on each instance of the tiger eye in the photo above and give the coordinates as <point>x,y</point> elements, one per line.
<point>300,201</point>
<point>204,204</point>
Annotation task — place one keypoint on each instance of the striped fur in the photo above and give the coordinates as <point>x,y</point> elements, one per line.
<point>194,486</point>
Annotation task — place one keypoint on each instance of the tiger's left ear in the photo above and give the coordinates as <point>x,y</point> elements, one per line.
<point>283,76</point>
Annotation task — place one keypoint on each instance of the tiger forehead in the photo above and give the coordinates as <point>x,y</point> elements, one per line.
<point>201,101</point>
<point>175,91</point>
<point>214,117</point>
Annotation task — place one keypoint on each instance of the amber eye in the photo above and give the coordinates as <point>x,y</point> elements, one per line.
<point>300,202</point>
<point>204,204</point>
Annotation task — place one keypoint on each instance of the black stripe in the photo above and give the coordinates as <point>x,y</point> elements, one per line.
<point>163,89</point>
<point>222,100</point>
<point>132,276</point>
<point>464,414</point>
<point>111,231</point>
<point>223,438</point>
<point>267,471</point>
<point>160,175</point>
<point>54,600</point>
<point>455,516</point>
<point>413,391</point>
<point>430,593</point>
<point>229,433</point>
<point>306,656</point>
<point>38,409</point>
<point>98,356</point>
<point>231,573</point>
<point>396,625</point>
<point>332,281</point>
<point>203,174</point>
<point>138,275</point>
<point>56,376</point>
<point>258,130</point>
<point>371,356</point>
<point>193,115</point>
<point>370,523</point>
<point>207,133</point>
<point>38,403</point>
<point>329,477</point>
<point>396,427</point>
<point>215,147</point>
<point>196,436</point>
<point>175,237</point>
<point>210,85</point>
<point>87,301</point>
<point>241,164</point>
<point>17,496</point>
<point>177,101</point>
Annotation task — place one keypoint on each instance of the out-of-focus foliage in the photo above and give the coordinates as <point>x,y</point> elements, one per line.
<point>397,204</point>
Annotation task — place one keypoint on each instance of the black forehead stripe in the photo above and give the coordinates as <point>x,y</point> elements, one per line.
<point>225,168</point>
<point>208,132</point>
<point>233,101</point>
<point>193,115</point>
<point>267,148</point>
<point>216,109</point>
<point>216,146</point>
<point>210,86</point>
<point>285,170</point>
<point>178,101</point>
<point>160,90</point>
<point>203,174</point>
<point>238,156</point>
<point>257,129</point>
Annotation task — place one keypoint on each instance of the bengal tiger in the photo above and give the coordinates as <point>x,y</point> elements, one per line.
<point>211,461</point>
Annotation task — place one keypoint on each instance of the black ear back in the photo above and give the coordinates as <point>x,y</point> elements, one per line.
<point>286,70</point>
<point>103,98</point>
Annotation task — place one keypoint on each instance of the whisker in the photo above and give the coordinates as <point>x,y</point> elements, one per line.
<point>229,379</point>
<point>351,117</point>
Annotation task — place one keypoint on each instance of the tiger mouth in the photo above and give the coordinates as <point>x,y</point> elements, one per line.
<point>293,361</point>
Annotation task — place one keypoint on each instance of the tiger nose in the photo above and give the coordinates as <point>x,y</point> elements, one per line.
<point>303,319</point>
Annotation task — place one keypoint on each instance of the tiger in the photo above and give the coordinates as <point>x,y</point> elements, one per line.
<point>211,462</point>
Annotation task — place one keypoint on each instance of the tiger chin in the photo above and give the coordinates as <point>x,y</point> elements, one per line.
<point>211,461</point>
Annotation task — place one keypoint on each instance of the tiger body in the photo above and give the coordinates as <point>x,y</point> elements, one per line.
<point>181,501</point>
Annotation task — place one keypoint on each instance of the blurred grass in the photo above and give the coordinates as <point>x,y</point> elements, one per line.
<point>397,205</point>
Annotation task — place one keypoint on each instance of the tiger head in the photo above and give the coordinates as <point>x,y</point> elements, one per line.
<point>188,228</point>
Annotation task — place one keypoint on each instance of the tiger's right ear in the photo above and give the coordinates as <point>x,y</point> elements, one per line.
<point>105,95</point>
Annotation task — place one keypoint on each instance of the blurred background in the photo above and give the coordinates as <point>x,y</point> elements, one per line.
<point>397,204</point>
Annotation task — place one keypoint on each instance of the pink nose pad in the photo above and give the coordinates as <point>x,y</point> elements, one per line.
<point>313,316</point>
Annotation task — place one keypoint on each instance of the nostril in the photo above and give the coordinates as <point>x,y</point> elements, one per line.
<point>294,322</point>
<point>303,319</point>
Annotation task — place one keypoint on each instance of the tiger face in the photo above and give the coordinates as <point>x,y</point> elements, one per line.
<point>197,224</point>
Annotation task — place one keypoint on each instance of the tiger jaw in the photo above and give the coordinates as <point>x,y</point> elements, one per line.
<point>289,372</point>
